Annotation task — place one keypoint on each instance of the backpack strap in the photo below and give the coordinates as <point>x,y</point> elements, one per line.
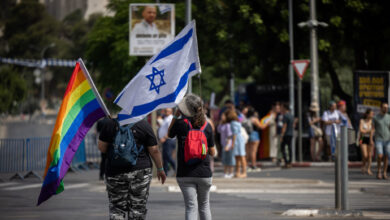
<point>188,122</point>
<point>204,126</point>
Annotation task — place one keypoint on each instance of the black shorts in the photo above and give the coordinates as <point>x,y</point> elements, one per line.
<point>365,140</point>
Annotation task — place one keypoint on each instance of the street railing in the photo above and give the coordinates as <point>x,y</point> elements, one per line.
<point>29,155</point>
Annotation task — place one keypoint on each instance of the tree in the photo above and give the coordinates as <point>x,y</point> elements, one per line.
<point>12,89</point>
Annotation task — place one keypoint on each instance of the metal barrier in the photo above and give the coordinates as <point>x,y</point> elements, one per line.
<point>21,155</point>
<point>12,155</point>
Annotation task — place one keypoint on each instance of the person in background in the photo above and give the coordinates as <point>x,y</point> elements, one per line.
<point>168,144</point>
<point>342,108</point>
<point>254,138</point>
<point>287,134</point>
<point>331,119</point>
<point>194,180</point>
<point>275,110</point>
<point>315,132</point>
<point>238,143</point>
<point>279,126</point>
<point>382,140</point>
<point>103,156</point>
<point>366,140</point>
<point>228,159</point>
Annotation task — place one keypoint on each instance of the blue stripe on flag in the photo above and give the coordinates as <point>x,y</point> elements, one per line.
<point>175,46</point>
<point>148,107</point>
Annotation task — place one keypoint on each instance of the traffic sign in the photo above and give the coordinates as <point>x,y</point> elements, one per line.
<point>300,67</point>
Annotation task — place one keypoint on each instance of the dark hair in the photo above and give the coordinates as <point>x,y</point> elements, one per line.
<point>228,102</point>
<point>368,111</point>
<point>199,118</point>
<point>251,112</point>
<point>286,106</point>
<point>231,115</point>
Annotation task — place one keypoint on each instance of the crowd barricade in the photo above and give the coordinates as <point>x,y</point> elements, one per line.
<point>12,154</point>
<point>36,153</point>
<point>29,155</point>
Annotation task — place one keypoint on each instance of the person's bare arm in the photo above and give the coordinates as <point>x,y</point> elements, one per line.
<point>156,157</point>
<point>177,114</point>
<point>102,146</point>
<point>212,151</point>
<point>256,122</point>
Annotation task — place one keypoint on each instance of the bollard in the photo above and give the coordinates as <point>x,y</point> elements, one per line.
<point>337,168</point>
<point>344,167</point>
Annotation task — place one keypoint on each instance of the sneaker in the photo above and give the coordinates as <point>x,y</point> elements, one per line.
<point>226,176</point>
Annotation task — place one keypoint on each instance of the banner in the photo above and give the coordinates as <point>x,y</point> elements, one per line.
<point>152,26</point>
<point>371,88</point>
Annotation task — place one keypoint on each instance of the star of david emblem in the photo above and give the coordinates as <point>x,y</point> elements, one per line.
<point>156,79</point>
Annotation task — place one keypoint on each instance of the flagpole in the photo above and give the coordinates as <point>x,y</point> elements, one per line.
<point>99,98</point>
<point>188,20</point>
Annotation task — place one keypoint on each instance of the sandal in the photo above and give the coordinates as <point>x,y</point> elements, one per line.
<point>385,176</point>
<point>379,176</point>
<point>369,172</point>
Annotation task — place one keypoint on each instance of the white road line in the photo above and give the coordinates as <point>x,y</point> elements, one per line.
<point>9,184</point>
<point>76,186</point>
<point>38,185</point>
<point>30,186</point>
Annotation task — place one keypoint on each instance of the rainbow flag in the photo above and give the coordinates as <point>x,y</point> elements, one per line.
<point>81,107</point>
<point>264,120</point>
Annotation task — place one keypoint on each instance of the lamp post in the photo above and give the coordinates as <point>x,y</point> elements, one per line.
<point>43,66</point>
<point>313,24</point>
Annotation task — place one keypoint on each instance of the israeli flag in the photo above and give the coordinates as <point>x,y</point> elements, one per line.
<point>163,81</point>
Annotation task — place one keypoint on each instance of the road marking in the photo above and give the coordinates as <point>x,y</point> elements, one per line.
<point>76,186</point>
<point>30,186</point>
<point>8,184</point>
<point>284,191</point>
<point>38,185</point>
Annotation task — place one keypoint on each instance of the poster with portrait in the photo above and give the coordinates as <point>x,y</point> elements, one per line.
<point>151,27</point>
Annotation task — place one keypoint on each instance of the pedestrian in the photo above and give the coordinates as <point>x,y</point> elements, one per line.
<point>382,140</point>
<point>168,144</point>
<point>315,132</point>
<point>228,159</point>
<point>366,140</point>
<point>253,126</point>
<point>103,156</point>
<point>331,119</point>
<point>238,143</point>
<point>273,136</point>
<point>279,126</point>
<point>128,185</point>
<point>342,108</point>
<point>287,134</point>
<point>194,179</point>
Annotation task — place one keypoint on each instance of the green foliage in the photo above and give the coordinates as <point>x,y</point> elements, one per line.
<point>12,89</point>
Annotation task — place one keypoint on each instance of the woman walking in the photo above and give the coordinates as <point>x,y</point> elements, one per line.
<point>228,159</point>
<point>315,133</point>
<point>366,141</point>
<point>238,143</point>
<point>194,179</point>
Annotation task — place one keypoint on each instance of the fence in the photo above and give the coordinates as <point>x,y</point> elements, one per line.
<point>29,155</point>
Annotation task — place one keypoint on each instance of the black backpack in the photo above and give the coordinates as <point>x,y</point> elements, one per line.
<point>124,150</point>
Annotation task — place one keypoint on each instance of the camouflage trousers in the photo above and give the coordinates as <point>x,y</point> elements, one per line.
<point>128,193</point>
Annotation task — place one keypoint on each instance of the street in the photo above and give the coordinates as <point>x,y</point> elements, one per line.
<point>264,195</point>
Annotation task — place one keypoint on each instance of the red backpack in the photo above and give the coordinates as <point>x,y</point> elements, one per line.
<point>195,147</point>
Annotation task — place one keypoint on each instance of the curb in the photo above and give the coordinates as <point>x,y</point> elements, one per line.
<point>303,164</point>
<point>322,213</point>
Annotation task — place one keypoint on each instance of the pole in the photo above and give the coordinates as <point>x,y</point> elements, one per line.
<point>337,167</point>
<point>313,54</point>
<point>291,71</point>
<point>188,20</point>
<point>300,119</point>
<point>344,167</point>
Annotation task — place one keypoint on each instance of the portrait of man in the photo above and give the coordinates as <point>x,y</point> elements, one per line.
<point>152,26</point>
